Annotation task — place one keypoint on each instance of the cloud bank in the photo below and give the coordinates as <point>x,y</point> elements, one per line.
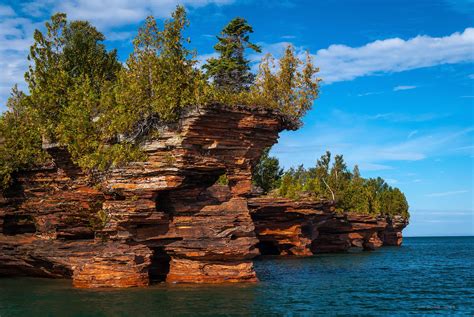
<point>341,62</point>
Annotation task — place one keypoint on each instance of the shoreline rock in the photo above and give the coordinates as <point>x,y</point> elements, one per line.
<point>163,220</point>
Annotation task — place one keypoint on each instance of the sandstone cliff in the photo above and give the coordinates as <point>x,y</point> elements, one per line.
<point>148,221</point>
<point>163,219</point>
<point>287,227</point>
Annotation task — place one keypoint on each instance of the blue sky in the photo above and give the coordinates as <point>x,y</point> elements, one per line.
<point>397,96</point>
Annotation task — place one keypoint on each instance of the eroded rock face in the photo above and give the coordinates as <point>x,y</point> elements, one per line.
<point>392,235</point>
<point>287,227</point>
<point>164,219</point>
<point>148,221</point>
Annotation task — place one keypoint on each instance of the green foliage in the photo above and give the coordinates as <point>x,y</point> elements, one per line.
<point>350,191</point>
<point>223,180</point>
<point>68,52</point>
<point>20,138</point>
<point>158,82</point>
<point>231,71</point>
<point>82,98</point>
<point>292,88</point>
<point>267,173</point>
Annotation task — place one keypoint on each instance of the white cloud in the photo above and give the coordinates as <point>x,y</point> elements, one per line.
<point>370,93</point>
<point>114,13</point>
<point>404,117</point>
<point>449,193</point>
<point>341,62</point>
<point>398,88</point>
<point>16,33</point>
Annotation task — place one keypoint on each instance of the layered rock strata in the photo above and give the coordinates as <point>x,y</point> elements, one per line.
<point>164,219</point>
<point>302,228</point>
<point>149,221</point>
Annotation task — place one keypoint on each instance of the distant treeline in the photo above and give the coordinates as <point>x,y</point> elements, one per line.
<point>83,98</point>
<point>331,179</point>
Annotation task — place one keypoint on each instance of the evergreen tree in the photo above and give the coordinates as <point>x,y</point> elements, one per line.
<point>20,138</point>
<point>393,202</point>
<point>292,88</point>
<point>159,80</point>
<point>231,70</point>
<point>267,173</point>
<point>356,172</point>
<point>339,176</point>
<point>65,53</point>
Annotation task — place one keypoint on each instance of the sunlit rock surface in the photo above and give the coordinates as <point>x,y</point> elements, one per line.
<point>164,219</point>
<point>288,227</point>
<point>151,221</point>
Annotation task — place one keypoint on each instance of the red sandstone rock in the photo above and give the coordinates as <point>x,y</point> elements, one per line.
<point>287,227</point>
<point>163,219</point>
<point>392,236</point>
<point>138,222</point>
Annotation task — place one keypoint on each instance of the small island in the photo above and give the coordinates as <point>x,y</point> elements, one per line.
<point>158,170</point>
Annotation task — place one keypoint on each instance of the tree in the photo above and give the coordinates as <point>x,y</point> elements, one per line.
<point>231,71</point>
<point>158,82</point>
<point>291,87</point>
<point>339,176</point>
<point>84,54</point>
<point>356,173</point>
<point>393,202</point>
<point>350,191</point>
<point>267,173</point>
<point>20,138</point>
<point>66,53</point>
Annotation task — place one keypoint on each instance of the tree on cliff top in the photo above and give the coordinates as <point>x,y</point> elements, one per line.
<point>66,53</point>
<point>20,138</point>
<point>159,80</point>
<point>351,192</point>
<point>292,87</point>
<point>83,99</point>
<point>231,71</point>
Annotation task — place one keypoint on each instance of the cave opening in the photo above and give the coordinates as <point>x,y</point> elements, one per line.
<point>268,248</point>
<point>160,265</point>
<point>163,202</point>
<point>18,224</point>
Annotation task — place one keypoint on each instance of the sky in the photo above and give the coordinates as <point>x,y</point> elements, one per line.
<point>397,96</point>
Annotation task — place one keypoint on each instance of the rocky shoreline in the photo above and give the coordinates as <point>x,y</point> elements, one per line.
<point>164,219</point>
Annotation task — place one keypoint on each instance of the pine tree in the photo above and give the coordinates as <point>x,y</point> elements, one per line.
<point>231,70</point>
<point>267,173</point>
<point>159,80</point>
<point>65,53</point>
<point>20,138</point>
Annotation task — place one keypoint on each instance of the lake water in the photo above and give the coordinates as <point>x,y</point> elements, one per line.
<point>426,276</point>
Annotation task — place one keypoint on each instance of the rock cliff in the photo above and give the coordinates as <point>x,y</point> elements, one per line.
<point>162,219</point>
<point>287,227</point>
<point>148,221</point>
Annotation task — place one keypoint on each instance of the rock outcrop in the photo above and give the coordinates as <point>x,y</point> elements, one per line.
<point>392,235</point>
<point>164,219</point>
<point>148,221</point>
<point>287,227</point>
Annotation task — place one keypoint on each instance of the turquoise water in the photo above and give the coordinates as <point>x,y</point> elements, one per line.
<point>426,276</point>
